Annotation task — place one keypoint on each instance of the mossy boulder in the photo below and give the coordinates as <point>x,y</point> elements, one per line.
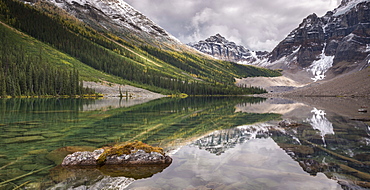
<point>135,153</point>
<point>127,149</point>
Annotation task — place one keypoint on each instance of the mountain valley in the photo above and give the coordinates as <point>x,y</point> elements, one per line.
<point>128,48</point>
<point>135,50</point>
<point>320,48</point>
<point>76,75</point>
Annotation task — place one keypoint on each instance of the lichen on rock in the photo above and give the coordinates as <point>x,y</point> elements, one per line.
<point>135,153</point>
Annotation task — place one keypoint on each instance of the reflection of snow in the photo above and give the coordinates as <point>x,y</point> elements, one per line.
<point>321,123</point>
<point>367,141</point>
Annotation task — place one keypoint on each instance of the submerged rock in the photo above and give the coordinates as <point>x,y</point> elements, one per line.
<point>24,139</point>
<point>59,154</point>
<point>136,153</point>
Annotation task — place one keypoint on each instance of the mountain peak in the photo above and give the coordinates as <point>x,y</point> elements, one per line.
<point>219,35</point>
<point>346,5</point>
<point>221,48</point>
<point>217,38</point>
<point>116,16</point>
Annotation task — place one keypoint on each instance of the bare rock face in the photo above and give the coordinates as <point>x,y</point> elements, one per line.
<point>307,38</point>
<point>127,154</point>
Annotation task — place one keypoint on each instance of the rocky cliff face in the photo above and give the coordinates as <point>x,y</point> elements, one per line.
<point>336,43</point>
<point>118,17</point>
<point>220,48</point>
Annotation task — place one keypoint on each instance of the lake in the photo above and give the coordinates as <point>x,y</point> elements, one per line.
<point>215,142</point>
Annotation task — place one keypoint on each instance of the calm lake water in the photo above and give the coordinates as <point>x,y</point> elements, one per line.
<point>215,143</point>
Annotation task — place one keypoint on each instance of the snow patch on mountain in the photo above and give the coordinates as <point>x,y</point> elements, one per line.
<point>367,48</point>
<point>120,13</point>
<point>346,6</point>
<point>336,43</point>
<point>320,67</point>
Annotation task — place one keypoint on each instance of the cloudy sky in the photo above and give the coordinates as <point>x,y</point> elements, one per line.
<point>256,24</point>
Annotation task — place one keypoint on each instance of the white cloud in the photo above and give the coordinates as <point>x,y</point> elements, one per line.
<point>259,25</point>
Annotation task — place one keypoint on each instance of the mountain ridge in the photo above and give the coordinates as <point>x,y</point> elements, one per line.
<point>319,48</point>
<point>327,46</point>
<point>220,48</point>
<point>118,17</point>
<point>147,63</point>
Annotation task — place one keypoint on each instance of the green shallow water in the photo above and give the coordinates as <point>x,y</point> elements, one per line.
<point>216,142</point>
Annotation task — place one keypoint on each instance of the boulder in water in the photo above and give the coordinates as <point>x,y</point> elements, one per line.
<point>136,153</point>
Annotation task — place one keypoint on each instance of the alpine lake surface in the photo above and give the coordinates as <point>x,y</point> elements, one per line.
<point>215,142</point>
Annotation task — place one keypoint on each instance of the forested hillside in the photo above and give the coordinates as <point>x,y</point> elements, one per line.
<point>165,71</point>
<point>30,73</point>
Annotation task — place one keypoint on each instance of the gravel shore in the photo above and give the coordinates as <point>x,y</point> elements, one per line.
<point>351,85</point>
<point>113,90</point>
<point>271,84</point>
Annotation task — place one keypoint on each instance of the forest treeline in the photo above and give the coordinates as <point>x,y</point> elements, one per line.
<point>204,67</point>
<point>93,49</point>
<point>25,74</point>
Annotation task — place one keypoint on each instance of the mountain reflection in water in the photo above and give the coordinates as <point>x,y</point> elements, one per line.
<point>321,152</point>
<point>215,143</point>
<point>256,164</point>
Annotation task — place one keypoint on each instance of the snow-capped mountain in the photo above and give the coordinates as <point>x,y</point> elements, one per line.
<point>324,47</point>
<point>220,48</point>
<point>320,47</point>
<point>118,17</point>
